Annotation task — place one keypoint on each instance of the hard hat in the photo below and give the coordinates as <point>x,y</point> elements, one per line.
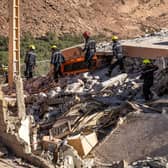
<point>86,34</point>
<point>146,61</point>
<point>4,68</point>
<point>32,47</point>
<point>53,47</point>
<point>114,38</point>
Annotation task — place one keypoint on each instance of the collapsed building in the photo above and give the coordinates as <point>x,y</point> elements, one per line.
<point>72,123</point>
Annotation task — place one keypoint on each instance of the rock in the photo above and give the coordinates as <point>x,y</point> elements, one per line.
<point>117,80</point>
<point>88,163</point>
<point>68,162</point>
<point>58,89</point>
<point>52,93</point>
<point>123,164</point>
<point>42,97</point>
<point>76,87</point>
<point>70,151</point>
<point>156,164</point>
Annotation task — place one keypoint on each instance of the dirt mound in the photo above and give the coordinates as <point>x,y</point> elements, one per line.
<point>127,18</point>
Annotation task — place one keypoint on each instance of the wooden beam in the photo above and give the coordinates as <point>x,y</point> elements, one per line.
<point>14,40</point>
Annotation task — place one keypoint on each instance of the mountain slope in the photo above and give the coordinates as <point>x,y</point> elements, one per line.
<point>125,17</point>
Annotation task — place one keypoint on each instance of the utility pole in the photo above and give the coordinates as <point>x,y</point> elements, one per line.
<point>14,41</point>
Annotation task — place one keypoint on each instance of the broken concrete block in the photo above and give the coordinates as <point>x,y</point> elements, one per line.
<point>118,80</point>
<point>58,89</point>
<point>52,93</point>
<point>75,87</point>
<point>83,143</point>
<point>24,133</point>
<point>70,151</point>
<point>42,97</point>
<point>88,163</point>
<point>68,162</point>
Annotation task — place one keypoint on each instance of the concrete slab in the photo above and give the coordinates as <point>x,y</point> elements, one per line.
<point>153,47</point>
<point>140,136</point>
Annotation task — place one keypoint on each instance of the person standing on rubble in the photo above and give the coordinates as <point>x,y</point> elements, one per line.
<point>57,59</point>
<point>148,75</point>
<point>89,49</point>
<point>118,53</point>
<point>30,62</point>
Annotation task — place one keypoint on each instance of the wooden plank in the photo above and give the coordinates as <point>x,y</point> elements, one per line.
<point>14,40</point>
<point>83,143</point>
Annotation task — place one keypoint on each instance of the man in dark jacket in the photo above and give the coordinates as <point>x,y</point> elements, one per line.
<point>147,76</point>
<point>30,62</point>
<point>118,53</point>
<point>89,49</point>
<point>57,59</point>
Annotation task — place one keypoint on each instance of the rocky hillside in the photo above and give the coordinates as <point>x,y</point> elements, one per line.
<point>125,17</point>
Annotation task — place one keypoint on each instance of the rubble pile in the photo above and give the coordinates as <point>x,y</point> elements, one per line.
<point>69,119</point>
<point>87,104</point>
<point>65,113</point>
<point>156,162</point>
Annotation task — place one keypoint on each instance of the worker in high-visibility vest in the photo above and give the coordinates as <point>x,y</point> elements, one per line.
<point>30,62</point>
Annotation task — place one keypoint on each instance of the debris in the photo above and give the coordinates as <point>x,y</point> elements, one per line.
<point>69,118</point>
<point>83,143</point>
<point>48,142</point>
<point>118,80</point>
<point>60,129</point>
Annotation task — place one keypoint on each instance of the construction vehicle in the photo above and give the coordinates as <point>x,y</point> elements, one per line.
<point>75,60</point>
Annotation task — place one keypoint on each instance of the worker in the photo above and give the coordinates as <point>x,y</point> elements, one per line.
<point>30,61</point>
<point>5,72</point>
<point>89,49</point>
<point>118,53</point>
<point>147,75</point>
<point>57,59</point>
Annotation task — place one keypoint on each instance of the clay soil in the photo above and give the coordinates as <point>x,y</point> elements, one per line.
<point>127,18</point>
